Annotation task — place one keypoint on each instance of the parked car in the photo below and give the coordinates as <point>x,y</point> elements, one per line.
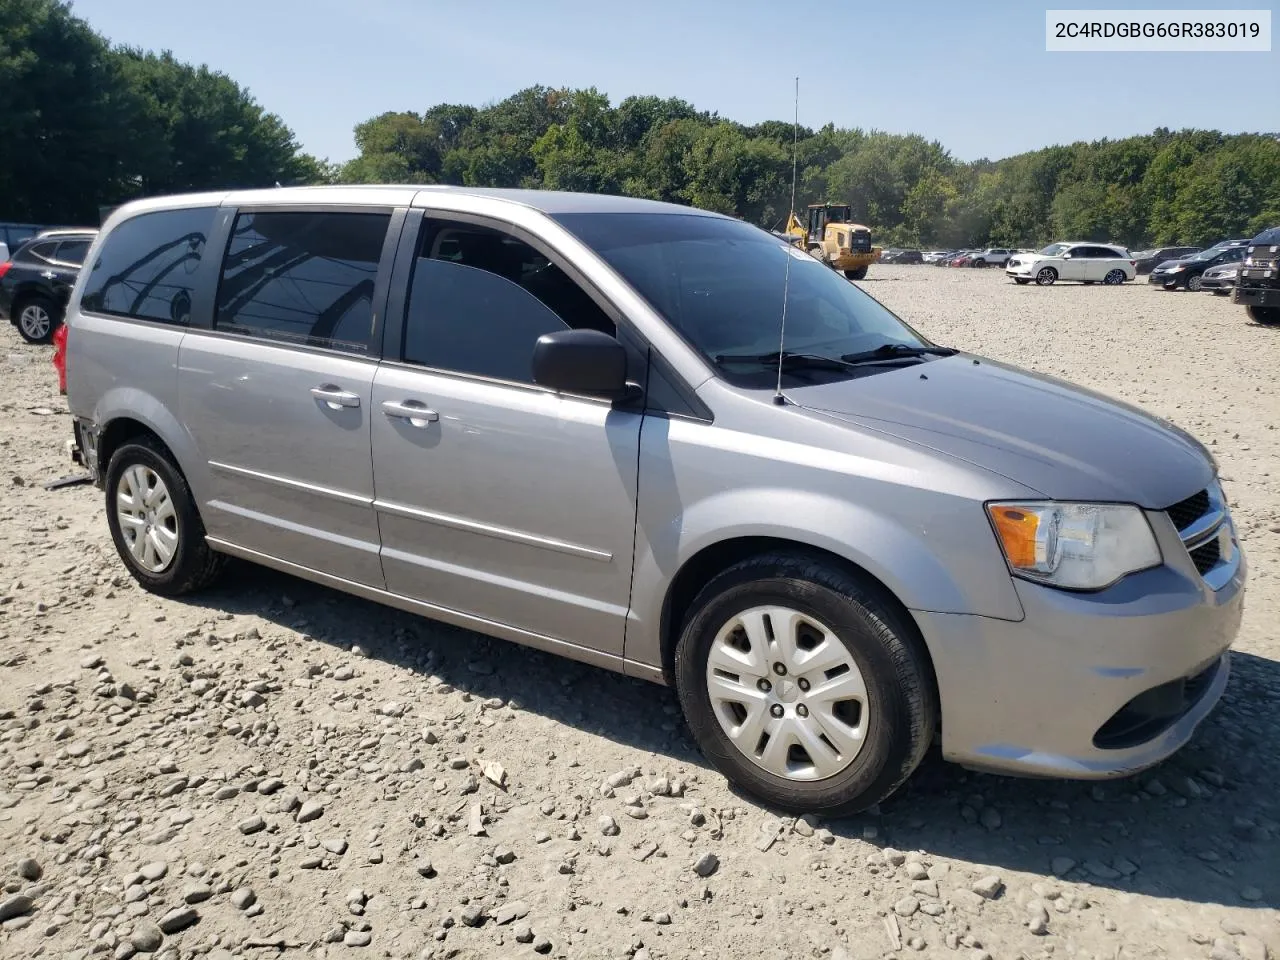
<point>1220,280</point>
<point>991,257</point>
<point>36,281</point>
<point>1148,260</point>
<point>1052,581</point>
<point>888,254</point>
<point>962,258</point>
<point>1086,262</point>
<point>933,256</point>
<point>910,256</point>
<point>1258,286</point>
<point>1187,272</point>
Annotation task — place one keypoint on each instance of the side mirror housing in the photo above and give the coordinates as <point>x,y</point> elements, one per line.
<point>586,362</point>
<point>1066,256</point>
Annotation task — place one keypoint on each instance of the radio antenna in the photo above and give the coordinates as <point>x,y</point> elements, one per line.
<point>778,398</point>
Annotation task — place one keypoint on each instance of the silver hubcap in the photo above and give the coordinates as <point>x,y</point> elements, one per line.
<point>35,321</point>
<point>1114,277</point>
<point>1193,283</point>
<point>787,693</point>
<point>148,520</point>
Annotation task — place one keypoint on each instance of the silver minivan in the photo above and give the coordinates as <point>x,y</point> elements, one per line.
<point>661,441</point>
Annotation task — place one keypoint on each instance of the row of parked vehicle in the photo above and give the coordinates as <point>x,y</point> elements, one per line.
<point>986,257</point>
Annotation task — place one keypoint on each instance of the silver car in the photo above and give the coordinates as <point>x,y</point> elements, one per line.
<point>566,420</point>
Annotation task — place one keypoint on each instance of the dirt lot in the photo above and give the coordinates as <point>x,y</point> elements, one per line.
<point>275,770</point>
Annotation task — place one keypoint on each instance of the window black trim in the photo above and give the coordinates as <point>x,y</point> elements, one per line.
<point>225,227</point>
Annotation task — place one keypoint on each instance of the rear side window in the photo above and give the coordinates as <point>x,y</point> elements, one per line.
<point>304,277</point>
<point>72,251</point>
<point>146,267</point>
<point>41,251</point>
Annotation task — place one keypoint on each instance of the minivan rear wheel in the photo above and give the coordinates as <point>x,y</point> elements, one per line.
<point>154,522</point>
<point>804,686</point>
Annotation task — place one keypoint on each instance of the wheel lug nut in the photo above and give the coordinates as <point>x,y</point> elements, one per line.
<point>765,686</point>
<point>803,684</point>
<point>780,669</point>
<point>802,710</point>
<point>776,710</point>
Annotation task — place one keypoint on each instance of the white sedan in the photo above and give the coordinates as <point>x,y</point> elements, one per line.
<point>1086,262</point>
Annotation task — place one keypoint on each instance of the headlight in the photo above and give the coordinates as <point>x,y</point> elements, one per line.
<point>1173,269</point>
<point>1079,546</point>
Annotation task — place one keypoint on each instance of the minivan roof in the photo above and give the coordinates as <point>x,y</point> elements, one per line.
<point>551,202</point>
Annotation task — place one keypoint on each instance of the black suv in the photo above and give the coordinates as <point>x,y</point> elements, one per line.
<point>1148,260</point>
<point>1186,272</point>
<point>36,281</point>
<point>1258,286</point>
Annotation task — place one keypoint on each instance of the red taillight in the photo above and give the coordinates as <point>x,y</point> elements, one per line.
<point>4,268</point>
<point>60,356</point>
<point>1133,263</point>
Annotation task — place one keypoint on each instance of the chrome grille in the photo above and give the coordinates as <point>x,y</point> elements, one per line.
<point>1204,526</point>
<point>1206,556</point>
<point>1185,512</point>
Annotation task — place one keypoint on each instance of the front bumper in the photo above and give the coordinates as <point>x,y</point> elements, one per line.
<point>1089,685</point>
<point>854,260</point>
<point>1166,279</point>
<point>1256,296</point>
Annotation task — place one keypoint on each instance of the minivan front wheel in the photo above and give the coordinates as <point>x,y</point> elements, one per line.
<point>154,522</point>
<point>804,686</point>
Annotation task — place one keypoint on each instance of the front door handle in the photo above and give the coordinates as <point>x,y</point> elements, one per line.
<point>418,414</point>
<point>334,397</point>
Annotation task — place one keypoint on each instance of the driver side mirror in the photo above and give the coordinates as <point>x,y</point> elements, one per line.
<point>586,362</point>
<point>1066,256</point>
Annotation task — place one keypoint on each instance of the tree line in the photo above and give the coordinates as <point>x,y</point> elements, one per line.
<point>1188,186</point>
<point>85,125</point>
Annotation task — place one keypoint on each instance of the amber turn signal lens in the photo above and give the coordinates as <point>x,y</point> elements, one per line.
<point>1017,530</point>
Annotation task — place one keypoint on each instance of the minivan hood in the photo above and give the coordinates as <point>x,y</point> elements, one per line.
<point>1064,441</point>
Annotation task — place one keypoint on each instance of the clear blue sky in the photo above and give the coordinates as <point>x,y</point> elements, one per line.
<point>973,75</point>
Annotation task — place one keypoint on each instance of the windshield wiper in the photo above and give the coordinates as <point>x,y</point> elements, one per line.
<point>893,352</point>
<point>789,360</point>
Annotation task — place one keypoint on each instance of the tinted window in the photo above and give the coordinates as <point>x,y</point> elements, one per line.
<point>719,283</point>
<point>147,266</point>
<point>72,251</point>
<point>480,299</point>
<point>302,278</point>
<point>41,251</point>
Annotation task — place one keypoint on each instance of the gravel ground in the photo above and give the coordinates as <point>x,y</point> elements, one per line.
<point>276,770</point>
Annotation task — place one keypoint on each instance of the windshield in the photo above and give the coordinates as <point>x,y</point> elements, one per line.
<point>1206,254</point>
<point>719,283</point>
<point>1053,249</point>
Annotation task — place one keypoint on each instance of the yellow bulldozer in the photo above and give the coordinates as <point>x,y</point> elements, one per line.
<point>832,237</point>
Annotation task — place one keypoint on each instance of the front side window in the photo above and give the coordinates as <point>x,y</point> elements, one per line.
<point>302,277</point>
<point>719,283</point>
<point>480,299</point>
<point>146,267</point>
<point>1054,250</point>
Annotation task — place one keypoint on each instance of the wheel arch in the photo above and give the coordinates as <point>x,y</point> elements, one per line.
<point>713,559</point>
<point>137,415</point>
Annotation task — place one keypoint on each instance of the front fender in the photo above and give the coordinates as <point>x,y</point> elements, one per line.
<point>944,558</point>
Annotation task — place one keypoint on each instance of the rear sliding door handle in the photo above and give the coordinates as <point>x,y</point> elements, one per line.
<point>335,397</point>
<point>418,414</point>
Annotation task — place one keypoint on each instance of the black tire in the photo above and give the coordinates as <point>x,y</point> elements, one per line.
<point>858,274</point>
<point>1020,282</point>
<point>194,564</point>
<point>1267,316</point>
<point>885,646</point>
<point>1046,277</point>
<point>49,310</point>
<point>977,264</point>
